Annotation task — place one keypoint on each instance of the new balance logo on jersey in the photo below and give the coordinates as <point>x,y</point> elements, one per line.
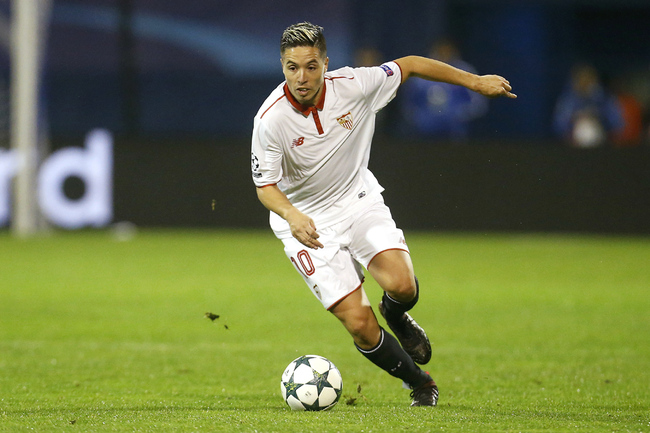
<point>346,120</point>
<point>298,142</point>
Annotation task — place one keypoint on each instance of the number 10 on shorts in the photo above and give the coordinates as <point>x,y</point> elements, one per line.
<point>303,263</point>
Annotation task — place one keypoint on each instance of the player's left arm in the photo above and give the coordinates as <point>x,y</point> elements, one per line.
<point>433,70</point>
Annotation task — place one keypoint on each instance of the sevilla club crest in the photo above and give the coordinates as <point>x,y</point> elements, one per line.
<point>346,120</point>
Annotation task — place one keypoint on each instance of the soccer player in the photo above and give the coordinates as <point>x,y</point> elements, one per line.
<point>310,151</point>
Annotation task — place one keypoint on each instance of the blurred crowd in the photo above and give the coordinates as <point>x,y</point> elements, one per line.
<point>589,112</point>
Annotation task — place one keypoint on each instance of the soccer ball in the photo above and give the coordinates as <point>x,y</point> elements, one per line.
<point>311,382</point>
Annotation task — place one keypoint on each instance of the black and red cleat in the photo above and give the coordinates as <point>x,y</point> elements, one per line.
<point>425,395</point>
<point>411,336</point>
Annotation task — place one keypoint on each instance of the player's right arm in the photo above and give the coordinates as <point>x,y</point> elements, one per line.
<point>266,164</point>
<point>302,226</point>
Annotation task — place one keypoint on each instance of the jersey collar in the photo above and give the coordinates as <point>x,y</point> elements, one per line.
<point>305,110</point>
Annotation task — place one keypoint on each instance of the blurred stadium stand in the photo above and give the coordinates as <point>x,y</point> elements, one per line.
<point>202,67</point>
<point>178,83</point>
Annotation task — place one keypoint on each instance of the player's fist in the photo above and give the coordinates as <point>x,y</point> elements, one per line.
<point>494,86</point>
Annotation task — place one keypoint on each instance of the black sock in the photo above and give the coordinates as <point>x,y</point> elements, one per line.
<point>390,357</point>
<point>394,309</point>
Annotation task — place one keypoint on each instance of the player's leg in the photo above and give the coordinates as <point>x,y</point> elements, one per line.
<point>335,278</point>
<point>379,245</point>
<point>393,271</point>
<point>380,347</point>
<point>357,317</point>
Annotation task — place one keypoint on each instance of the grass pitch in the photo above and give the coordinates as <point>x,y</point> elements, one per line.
<point>530,333</point>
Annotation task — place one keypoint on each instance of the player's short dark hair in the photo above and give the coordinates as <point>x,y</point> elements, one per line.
<point>304,34</point>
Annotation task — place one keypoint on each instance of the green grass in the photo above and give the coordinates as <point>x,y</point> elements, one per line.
<point>530,333</point>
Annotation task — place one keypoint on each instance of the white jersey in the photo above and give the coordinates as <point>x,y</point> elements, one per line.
<point>318,156</point>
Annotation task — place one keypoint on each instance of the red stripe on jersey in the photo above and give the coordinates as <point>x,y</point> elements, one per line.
<point>319,127</point>
<point>338,78</point>
<point>271,106</point>
<point>401,73</point>
<point>305,110</point>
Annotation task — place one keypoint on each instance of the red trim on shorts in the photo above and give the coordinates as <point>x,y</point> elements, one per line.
<point>270,184</point>
<point>389,249</point>
<point>340,300</point>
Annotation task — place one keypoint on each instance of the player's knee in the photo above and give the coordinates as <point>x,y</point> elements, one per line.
<point>364,330</point>
<point>402,288</point>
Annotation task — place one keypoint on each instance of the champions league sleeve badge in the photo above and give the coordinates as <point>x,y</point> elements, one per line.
<point>387,69</point>
<point>255,166</point>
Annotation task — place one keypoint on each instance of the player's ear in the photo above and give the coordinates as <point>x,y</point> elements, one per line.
<point>327,61</point>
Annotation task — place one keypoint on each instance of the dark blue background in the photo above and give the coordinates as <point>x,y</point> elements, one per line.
<point>202,67</point>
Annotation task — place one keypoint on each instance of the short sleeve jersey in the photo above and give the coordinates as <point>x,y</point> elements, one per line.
<point>318,156</point>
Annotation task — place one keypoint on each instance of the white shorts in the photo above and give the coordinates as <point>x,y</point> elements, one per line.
<point>335,271</point>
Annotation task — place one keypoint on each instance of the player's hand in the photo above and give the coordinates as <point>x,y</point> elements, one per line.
<point>494,86</point>
<point>304,229</point>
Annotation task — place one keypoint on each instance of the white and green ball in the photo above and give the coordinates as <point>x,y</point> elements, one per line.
<point>311,382</point>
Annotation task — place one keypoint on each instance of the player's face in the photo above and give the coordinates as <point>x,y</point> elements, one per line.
<point>304,69</point>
